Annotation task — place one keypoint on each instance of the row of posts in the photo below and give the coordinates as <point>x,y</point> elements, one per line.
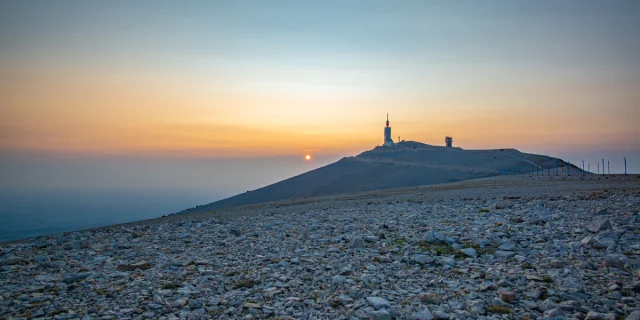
<point>540,170</point>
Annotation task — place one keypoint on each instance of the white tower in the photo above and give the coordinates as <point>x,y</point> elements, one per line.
<point>387,134</point>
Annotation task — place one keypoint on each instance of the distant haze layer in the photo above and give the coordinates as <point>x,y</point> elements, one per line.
<point>44,195</point>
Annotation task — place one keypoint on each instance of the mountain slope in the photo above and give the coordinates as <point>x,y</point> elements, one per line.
<point>405,165</point>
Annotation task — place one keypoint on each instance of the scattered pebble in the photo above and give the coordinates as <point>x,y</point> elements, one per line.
<point>570,255</point>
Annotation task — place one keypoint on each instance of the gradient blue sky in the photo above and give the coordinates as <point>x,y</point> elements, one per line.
<point>285,78</point>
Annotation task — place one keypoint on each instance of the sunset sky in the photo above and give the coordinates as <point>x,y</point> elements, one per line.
<point>285,78</point>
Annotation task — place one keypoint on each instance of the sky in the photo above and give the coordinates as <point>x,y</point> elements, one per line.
<point>275,79</point>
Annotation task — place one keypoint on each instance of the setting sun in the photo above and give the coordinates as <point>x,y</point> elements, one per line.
<point>307,157</point>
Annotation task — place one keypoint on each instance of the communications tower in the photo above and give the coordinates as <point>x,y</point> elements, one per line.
<point>387,134</point>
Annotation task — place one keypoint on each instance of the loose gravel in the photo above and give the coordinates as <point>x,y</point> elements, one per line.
<point>501,248</point>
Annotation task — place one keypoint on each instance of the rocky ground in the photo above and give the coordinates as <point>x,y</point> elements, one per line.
<point>505,248</point>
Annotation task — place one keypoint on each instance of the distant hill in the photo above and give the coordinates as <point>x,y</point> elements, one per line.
<point>406,164</point>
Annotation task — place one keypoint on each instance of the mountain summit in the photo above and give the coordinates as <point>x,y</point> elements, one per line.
<point>405,164</point>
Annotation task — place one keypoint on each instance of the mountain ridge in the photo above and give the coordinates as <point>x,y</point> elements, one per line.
<point>406,164</point>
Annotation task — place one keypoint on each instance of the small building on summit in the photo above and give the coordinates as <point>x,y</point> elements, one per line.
<point>388,142</point>
<point>387,135</point>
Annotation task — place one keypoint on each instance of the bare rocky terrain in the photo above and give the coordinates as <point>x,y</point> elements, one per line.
<point>510,247</point>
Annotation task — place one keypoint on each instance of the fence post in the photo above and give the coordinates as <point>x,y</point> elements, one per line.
<point>625,166</point>
<point>603,167</point>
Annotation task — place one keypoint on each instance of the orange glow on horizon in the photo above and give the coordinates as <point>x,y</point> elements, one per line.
<point>117,112</point>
